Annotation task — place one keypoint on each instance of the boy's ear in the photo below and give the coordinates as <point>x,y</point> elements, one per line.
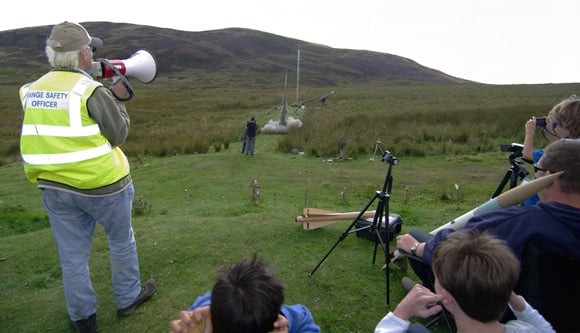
<point>556,181</point>
<point>447,297</point>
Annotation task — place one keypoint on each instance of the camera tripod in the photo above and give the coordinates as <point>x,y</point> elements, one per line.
<point>382,212</point>
<point>378,149</point>
<point>515,172</point>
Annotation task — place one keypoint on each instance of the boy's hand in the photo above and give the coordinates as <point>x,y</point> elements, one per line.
<point>196,321</point>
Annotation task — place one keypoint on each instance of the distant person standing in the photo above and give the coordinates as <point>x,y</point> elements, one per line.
<point>251,131</point>
<point>244,139</point>
<point>69,144</point>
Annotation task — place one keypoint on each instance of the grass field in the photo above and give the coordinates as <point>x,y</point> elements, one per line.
<point>197,216</point>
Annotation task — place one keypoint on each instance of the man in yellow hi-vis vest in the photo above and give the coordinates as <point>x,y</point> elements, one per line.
<point>71,132</point>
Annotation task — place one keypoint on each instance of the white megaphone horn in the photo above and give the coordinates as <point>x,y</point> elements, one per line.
<point>142,66</point>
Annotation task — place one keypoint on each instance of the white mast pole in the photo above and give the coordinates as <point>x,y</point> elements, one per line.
<point>284,107</point>
<point>298,81</point>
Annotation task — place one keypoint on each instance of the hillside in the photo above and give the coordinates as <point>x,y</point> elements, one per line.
<point>218,58</point>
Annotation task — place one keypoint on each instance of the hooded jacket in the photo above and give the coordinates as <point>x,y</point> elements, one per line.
<point>554,225</point>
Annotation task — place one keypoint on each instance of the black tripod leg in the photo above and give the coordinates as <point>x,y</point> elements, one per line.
<point>385,247</point>
<point>343,236</point>
<point>382,208</point>
<point>384,204</point>
<point>503,183</point>
<point>514,180</point>
<point>345,233</point>
<point>387,277</point>
<point>376,227</point>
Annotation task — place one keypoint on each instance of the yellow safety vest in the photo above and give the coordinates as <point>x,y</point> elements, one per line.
<point>60,142</point>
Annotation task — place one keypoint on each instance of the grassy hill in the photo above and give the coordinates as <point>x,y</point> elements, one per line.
<point>222,58</point>
<point>209,83</point>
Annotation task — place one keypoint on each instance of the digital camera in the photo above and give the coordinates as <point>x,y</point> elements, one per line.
<point>541,122</point>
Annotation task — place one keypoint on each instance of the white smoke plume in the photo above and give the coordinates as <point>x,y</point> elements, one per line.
<point>274,127</point>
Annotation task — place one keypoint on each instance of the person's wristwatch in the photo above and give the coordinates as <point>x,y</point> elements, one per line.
<point>414,249</point>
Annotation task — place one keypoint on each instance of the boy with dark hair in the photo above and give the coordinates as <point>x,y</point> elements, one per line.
<point>248,287</point>
<point>475,274</point>
<point>248,298</point>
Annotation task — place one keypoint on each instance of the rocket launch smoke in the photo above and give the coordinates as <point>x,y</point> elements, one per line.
<point>274,127</point>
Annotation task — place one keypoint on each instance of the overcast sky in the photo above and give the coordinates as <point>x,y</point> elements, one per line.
<point>491,41</point>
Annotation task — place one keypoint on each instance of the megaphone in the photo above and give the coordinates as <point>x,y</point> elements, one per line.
<point>142,66</point>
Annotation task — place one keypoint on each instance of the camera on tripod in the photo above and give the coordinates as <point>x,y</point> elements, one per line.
<point>389,158</point>
<point>516,171</point>
<point>514,148</point>
<point>381,228</point>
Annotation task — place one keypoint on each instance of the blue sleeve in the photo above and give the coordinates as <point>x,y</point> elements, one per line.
<point>299,319</point>
<point>201,301</point>
<point>516,232</point>
<point>516,225</point>
<point>534,199</point>
<point>431,244</point>
<point>537,154</point>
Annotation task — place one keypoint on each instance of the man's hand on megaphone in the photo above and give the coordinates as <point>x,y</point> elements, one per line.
<point>121,89</point>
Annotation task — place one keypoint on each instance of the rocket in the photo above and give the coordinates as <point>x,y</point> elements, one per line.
<point>314,218</point>
<point>509,198</point>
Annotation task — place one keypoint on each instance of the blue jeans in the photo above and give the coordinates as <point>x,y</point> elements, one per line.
<point>251,145</point>
<point>72,219</point>
<point>244,143</point>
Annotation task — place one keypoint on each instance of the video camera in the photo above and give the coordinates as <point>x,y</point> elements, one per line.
<point>389,158</point>
<point>516,148</point>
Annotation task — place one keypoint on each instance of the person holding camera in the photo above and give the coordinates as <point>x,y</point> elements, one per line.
<point>562,122</point>
<point>71,132</point>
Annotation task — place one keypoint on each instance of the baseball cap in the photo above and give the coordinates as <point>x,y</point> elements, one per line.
<point>68,36</point>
